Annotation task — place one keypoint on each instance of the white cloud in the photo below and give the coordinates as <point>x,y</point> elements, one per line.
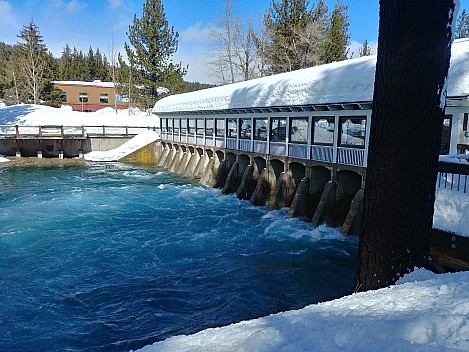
<point>194,49</point>
<point>10,22</point>
<point>66,7</point>
<point>196,34</point>
<point>354,48</point>
<point>115,3</point>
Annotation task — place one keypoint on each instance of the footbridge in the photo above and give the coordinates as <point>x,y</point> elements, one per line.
<point>63,141</point>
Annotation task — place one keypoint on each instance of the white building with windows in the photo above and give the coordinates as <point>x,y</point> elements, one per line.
<point>320,113</point>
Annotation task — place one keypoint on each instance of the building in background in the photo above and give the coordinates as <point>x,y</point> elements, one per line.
<point>89,96</point>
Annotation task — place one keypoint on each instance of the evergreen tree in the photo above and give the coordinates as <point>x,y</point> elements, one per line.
<point>65,64</point>
<point>91,65</point>
<point>462,28</point>
<point>32,55</point>
<point>337,36</point>
<point>6,52</point>
<point>152,43</point>
<point>283,22</point>
<point>365,50</point>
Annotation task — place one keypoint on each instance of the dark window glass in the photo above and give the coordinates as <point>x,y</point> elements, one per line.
<point>232,128</point>
<point>220,131</point>
<point>191,125</point>
<point>170,125</point>
<point>209,126</point>
<point>464,123</point>
<point>200,127</point>
<point>323,130</point>
<point>163,125</point>
<point>245,128</point>
<point>445,135</point>
<point>63,96</point>
<point>299,130</point>
<point>260,129</point>
<point>104,99</point>
<point>183,126</point>
<point>278,129</point>
<point>352,132</point>
<point>176,125</point>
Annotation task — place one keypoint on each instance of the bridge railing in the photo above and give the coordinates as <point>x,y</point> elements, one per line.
<point>453,176</point>
<point>60,131</point>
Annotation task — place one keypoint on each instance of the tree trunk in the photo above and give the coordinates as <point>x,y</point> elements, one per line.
<point>412,66</point>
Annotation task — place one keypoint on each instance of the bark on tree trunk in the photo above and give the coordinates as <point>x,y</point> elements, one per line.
<point>412,66</point>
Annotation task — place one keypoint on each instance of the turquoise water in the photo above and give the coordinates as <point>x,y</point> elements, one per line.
<point>112,257</point>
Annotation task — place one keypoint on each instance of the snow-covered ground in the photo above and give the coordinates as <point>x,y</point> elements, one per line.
<point>423,312</point>
<point>139,141</point>
<point>35,115</point>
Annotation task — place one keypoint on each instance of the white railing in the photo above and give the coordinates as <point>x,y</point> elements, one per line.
<point>59,131</point>
<point>260,147</point>
<point>322,153</point>
<point>278,148</point>
<point>245,144</point>
<point>298,150</point>
<point>231,143</point>
<point>351,156</point>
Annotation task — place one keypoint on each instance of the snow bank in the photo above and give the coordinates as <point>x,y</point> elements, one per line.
<point>35,115</point>
<point>3,159</point>
<point>339,82</point>
<point>423,312</point>
<point>137,142</point>
<point>451,211</point>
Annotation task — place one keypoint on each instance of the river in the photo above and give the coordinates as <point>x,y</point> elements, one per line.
<point>112,256</point>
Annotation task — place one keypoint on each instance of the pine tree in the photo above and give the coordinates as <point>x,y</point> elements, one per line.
<point>152,43</point>
<point>337,36</point>
<point>6,52</point>
<point>91,64</point>
<point>365,50</point>
<point>65,64</point>
<point>32,54</point>
<point>283,21</point>
<point>462,28</point>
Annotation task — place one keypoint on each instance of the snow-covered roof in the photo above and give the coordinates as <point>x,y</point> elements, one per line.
<point>350,81</point>
<point>83,83</point>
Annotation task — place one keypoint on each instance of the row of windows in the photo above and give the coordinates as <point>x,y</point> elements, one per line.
<point>83,98</point>
<point>352,130</point>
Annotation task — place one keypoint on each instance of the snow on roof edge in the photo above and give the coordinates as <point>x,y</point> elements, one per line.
<point>349,81</point>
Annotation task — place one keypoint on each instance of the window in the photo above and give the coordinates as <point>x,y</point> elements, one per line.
<point>299,130</point>
<point>260,129</point>
<point>245,128</point>
<point>232,128</point>
<point>183,126</point>
<point>278,129</point>
<point>170,125</point>
<point>192,126</point>
<point>352,131</point>
<point>445,135</point>
<point>63,96</point>
<point>200,127</point>
<point>209,127</point>
<point>83,97</point>
<point>163,125</point>
<point>220,131</point>
<point>323,130</point>
<point>104,98</point>
<point>464,123</point>
<point>176,124</point>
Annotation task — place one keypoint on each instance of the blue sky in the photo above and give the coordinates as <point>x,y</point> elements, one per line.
<point>85,23</point>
